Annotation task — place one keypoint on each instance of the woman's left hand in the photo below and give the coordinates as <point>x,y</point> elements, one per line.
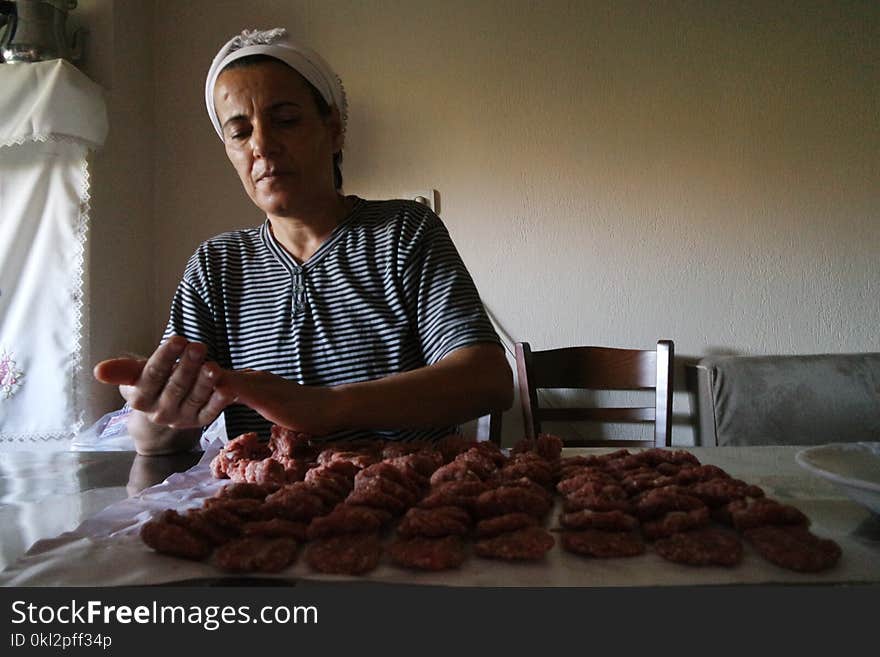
<point>309,409</point>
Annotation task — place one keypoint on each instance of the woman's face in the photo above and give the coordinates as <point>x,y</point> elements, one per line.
<point>279,144</point>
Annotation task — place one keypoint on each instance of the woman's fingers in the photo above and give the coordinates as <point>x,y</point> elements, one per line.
<point>119,371</point>
<point>172,408</point>
<point>174,387</point>
<point>201,390</point>
<point>204,403</point>
<point>156,373</point>
<point>215,405</point>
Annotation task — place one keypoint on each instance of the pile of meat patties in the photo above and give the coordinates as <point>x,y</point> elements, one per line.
<point>429,506</point>
<point>421,504</point>
<point>615,503</point>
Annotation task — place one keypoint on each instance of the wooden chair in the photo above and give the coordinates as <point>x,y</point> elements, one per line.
<point>598,368</point>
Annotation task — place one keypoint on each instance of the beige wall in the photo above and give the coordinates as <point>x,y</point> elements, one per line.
<point>122,241</point>
<point>612,172</point>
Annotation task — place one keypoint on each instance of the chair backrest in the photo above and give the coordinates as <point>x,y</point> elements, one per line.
<point>598,368</point>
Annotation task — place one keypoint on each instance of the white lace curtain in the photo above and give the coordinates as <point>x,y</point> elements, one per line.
<point>51,116</point>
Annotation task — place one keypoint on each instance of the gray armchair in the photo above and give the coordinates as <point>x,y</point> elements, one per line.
<point>789,400</point>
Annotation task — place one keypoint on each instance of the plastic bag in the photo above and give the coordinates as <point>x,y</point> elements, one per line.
<point>110,434</point>
<point>215,431</point>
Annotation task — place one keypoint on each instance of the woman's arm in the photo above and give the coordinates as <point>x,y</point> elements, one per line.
<point>467,383</point>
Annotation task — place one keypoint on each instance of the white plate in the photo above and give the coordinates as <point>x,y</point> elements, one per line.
<point>854,467</point>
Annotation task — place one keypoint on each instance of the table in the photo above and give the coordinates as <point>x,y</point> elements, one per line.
<point>109,477</point>
<point>43,494</point>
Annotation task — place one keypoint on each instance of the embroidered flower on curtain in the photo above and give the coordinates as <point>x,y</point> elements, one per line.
<point>10,376</point>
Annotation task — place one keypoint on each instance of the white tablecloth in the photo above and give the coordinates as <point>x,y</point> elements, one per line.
<point>106,550</point>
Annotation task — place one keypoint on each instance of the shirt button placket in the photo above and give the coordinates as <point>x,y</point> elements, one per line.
<point>299,292</point>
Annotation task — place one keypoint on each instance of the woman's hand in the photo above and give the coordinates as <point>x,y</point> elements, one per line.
<point>309,409</point>
<point>179,394</point>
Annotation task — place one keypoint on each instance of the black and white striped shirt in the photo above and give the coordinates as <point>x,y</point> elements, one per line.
<point>387,292</point>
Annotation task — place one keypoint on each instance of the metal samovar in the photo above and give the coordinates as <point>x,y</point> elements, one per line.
<point>36,30</point>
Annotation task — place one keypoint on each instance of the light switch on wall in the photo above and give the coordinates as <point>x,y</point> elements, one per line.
<point>429,197</point>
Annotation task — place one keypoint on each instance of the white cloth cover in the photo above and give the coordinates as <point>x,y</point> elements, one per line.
<point>50,116</point>
<point>50,100</point>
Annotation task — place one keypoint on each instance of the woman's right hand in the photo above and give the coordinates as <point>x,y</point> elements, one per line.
<point>174,387</point>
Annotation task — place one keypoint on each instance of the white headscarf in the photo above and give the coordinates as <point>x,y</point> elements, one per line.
<point>277,43</point>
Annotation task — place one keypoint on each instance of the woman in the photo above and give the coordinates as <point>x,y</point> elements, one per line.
<point>336,316</point>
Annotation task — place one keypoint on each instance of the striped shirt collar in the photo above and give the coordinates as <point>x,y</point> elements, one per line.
<point>288,261</point>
